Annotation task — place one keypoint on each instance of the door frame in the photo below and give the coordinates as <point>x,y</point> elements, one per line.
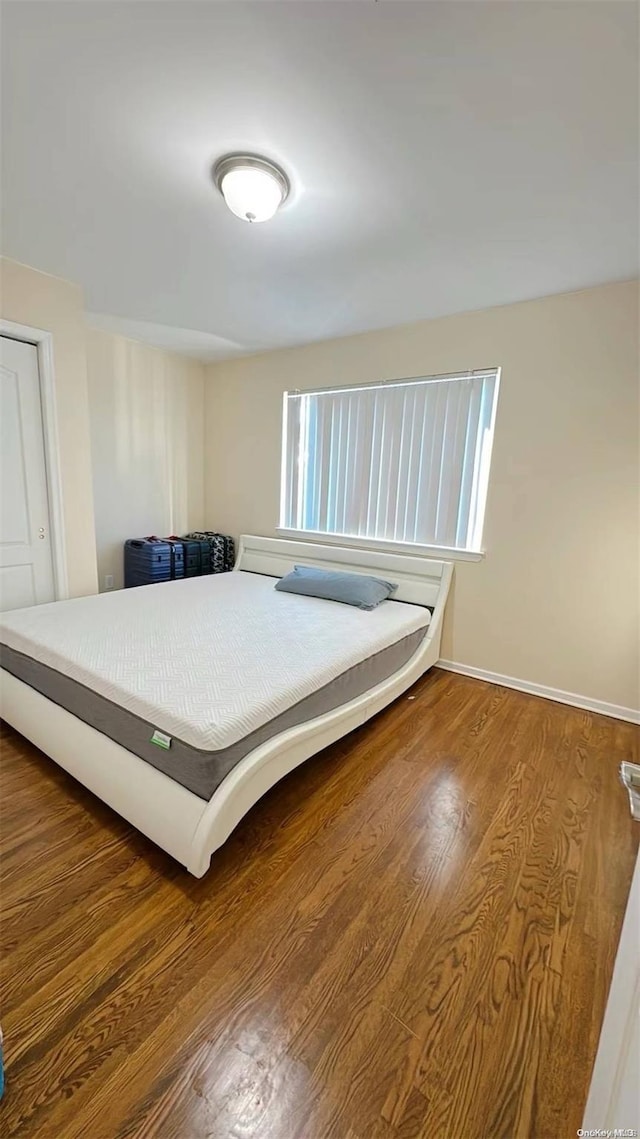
<point>42,341</point>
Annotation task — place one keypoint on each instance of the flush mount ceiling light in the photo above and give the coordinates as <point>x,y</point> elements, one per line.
<point>252,187</point>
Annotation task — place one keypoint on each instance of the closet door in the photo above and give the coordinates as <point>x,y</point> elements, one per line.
<point>26,564</point>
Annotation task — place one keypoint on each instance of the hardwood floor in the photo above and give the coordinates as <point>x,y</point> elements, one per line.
<point>411,936</point>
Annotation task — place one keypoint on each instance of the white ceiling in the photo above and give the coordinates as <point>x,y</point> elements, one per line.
<point>444,156</point>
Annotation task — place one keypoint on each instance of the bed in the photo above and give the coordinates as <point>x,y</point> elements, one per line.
<point>181,704</point>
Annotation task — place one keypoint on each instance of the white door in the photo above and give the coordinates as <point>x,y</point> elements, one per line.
<point>26,565</point>
<point>613,1100</point>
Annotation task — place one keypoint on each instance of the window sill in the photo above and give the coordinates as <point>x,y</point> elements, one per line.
<point>448,553</point>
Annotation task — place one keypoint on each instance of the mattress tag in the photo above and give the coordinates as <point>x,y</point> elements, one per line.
<point>161,740</point>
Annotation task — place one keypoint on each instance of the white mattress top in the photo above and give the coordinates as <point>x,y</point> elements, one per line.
<point>207,659</point>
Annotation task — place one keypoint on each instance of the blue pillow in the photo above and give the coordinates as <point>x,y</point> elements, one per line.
<point>333,585</point>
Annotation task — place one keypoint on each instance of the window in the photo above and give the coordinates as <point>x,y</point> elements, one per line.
<point>406,461</point>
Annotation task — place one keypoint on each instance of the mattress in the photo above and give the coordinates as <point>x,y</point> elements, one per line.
<point>191,675</point>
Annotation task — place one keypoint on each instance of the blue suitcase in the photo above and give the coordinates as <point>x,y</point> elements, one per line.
<point>197,557</point>
<point>149,560</point>
<point>222,549</point>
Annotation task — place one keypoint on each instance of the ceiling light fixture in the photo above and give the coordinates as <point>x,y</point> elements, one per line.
<point>252,187</point>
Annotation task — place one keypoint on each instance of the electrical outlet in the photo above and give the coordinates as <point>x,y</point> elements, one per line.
<point>108,581</point>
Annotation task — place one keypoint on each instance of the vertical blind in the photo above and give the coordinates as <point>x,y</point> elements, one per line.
<point>405,461</point>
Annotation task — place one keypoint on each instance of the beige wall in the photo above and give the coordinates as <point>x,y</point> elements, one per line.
<point>555,601</point>
<point>39,301</point>
<point>147,434</point>
<point>130,424</point>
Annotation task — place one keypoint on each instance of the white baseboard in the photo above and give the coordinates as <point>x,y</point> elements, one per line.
<point>557,694</point>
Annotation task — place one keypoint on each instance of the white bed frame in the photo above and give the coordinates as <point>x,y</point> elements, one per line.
<point>186,826</point>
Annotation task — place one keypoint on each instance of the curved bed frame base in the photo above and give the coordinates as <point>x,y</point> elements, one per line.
<point>186,826</point>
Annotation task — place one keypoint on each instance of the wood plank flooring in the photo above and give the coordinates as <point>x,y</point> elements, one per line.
<point>411,936</point>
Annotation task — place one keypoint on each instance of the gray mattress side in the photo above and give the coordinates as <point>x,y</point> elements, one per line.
<point>201,771</point>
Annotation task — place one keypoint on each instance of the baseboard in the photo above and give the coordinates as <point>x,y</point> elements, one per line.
<point>557,694</point>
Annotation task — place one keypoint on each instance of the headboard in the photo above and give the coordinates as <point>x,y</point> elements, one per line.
<point>421,581</point>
